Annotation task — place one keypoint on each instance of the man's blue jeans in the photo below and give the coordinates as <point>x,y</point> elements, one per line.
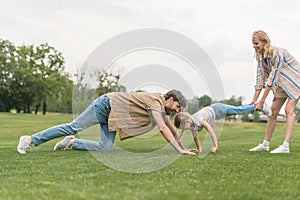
<point>221,110</point>
<point>96,113</point>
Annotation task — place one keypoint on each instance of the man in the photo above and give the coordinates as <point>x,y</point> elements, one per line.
<point>131,114</point>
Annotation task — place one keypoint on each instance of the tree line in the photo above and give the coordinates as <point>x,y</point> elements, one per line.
<point>33,78</point>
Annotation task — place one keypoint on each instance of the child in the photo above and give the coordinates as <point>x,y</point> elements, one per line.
<point>206,118</point>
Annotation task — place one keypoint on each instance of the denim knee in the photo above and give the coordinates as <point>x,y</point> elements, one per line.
<point>105,147</point>
<point>72,127</point>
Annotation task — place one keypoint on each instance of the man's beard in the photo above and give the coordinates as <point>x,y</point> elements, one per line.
<point>168,111</point>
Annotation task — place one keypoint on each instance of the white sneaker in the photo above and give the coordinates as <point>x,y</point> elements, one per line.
<point>260,147</point>
<point>24,144</point>
<point>64,143</point>
<point>267,110</point>
<point>281,149</point>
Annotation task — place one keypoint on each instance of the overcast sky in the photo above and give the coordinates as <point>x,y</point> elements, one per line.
<point>222,28</point>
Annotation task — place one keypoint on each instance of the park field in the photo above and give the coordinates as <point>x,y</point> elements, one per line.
<point>233,173</point>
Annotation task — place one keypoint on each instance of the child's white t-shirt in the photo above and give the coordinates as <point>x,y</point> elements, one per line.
<point>207,113</point>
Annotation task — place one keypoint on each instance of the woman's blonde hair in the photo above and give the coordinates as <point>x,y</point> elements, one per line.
<point>263,37</point>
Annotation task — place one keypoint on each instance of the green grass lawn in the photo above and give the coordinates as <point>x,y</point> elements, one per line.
<point>233,173</point>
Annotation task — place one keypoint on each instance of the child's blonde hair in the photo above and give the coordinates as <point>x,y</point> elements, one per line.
<point>263,37</point>
<point>180,118</point>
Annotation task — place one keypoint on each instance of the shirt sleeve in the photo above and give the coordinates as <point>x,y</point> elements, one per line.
<point>259,76</point>
<point>158,118</point>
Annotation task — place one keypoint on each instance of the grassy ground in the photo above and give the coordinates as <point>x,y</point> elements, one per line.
<point>233,173</point>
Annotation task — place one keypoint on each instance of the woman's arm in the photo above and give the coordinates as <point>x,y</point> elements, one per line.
<point>261,102</point>
<point>212,135</point>
<point>255,96</point>
<point>260,81</point>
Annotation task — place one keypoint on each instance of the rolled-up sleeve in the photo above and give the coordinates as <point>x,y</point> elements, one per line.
<point>158,119</point>
<point>259,76</point>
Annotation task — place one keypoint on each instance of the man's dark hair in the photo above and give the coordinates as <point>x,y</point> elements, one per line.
<point>177,96</point>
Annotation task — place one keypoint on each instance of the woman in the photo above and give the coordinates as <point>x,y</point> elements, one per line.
<point>277,70</point>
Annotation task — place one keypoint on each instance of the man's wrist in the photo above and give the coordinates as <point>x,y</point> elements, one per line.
<point>176,146</point>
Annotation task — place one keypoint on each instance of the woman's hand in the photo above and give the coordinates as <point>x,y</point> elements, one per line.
<point>259,105</point>
<point>252,102</point>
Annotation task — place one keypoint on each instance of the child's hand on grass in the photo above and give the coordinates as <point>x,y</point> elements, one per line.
<point>214,150</point>
<point>194,150</point>
<point>187,152</point>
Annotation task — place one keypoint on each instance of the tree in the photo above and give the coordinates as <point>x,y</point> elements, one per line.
<point>49,69</point>
<point>192,105</point>
<point>62,100</point>
<point>38,75</point>
<point>84,94</point>
<point>23,79</point>
<point>108,82</point>
<point>7,61</point>
<point>235,101</point>
<point>203,101</point>
<point>30,76</point>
